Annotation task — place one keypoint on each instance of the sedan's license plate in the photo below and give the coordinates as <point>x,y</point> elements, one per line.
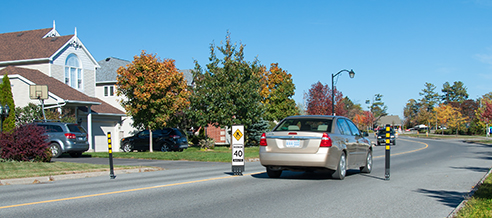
<point>292,144</point>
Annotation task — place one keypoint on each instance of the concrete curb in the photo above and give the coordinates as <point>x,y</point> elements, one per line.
<point>74,175</point>
<point>468,196</point>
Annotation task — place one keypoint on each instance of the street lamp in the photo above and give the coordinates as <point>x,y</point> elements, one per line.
<point>4,113</point>
<point>351,74</point>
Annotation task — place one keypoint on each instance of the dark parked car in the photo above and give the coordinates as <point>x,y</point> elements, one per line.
<point>65,138</point>
<point>168,139</point>
<point>315,142</point>
<point>382,136</point>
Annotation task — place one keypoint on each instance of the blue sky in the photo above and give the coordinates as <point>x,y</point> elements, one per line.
<point>394,47</point>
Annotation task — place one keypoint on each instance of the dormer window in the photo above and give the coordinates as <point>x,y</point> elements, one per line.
<point>108,91</point>
<point>73,72</point>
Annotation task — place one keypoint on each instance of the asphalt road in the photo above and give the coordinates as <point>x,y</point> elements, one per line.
<point>429,178</point>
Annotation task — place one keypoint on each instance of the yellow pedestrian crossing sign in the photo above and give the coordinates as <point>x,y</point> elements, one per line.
<point>238,134</point>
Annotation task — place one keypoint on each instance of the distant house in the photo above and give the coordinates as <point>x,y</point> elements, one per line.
<point>65,65</point>
<point>393,120</point>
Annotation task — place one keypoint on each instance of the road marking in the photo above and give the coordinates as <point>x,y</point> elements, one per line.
<point>406,152</point>
<point>123,191</point>
<point>170,185</point>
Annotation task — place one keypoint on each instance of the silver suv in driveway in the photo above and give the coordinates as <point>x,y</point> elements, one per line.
<point>66,137</point>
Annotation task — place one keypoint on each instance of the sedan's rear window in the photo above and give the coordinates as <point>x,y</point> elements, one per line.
<point>305,124</point>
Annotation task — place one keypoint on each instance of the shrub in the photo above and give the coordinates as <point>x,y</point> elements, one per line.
<point>208,143</point>
<point>444,131</point>
<point>25,143</point>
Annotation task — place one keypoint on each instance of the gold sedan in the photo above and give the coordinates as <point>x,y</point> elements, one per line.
<point>315,143</point>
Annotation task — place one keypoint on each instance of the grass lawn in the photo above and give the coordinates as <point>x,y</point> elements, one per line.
<point>219,154</point>
<point>480,205</point>
<point>11,169</point>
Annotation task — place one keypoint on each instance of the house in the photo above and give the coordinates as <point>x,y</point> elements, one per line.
<point>393,120</point>
<point>106,90</point>
<point>65,65</point>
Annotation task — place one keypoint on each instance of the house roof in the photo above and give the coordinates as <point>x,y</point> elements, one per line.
<point>390,119</point>
<point>60,89</point>
<point>107,73</point>
<point>109,66</point>
<point>188,76</point>
<point>30,45</point>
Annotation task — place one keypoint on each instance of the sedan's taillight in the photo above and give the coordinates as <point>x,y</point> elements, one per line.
<point>70,136</point>
<point>325,140</point>
<point>263,141</point>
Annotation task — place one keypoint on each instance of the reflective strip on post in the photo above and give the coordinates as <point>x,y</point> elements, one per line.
<point>387,154</point>
<point>110,151</point>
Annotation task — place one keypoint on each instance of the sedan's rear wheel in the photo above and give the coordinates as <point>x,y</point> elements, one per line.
<point>273,173</point>
<point>368,167</point>
<point>342,168</point>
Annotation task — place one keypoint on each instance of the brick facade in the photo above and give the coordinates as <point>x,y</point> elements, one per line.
<point>218,134</point>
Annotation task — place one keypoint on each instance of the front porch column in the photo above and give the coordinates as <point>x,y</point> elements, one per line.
<point>89,130</point>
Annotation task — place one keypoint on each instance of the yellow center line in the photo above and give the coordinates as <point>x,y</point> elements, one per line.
<point>406,152</point>
<point>170,185</point>
<point>124,191</point>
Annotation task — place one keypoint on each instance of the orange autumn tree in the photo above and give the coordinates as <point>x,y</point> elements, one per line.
<point>363,120</point>
<point>449,116</point>
<point>277,90</point>
<point>155,91</point>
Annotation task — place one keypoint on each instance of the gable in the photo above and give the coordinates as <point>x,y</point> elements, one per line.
<point>29,45</point>
<point>43,45</point>
<point>61,90</point>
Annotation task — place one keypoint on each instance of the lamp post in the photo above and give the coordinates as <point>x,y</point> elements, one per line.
<point>4,113</point>
<point>351,74</point>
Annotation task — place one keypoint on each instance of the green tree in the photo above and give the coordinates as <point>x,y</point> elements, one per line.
<point>411,111</point>
<point>227,92</point>
<point>455,93</point>
<point>28,114</point>
<point>378,108</point>
<point>430,97</point>
<point>277,89</point>
<point>6,98</point>
<point>352,108</point>
<point>155,91</point>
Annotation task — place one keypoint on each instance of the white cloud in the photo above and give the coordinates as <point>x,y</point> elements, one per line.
<point>484,58</point>
<point>486,76</point>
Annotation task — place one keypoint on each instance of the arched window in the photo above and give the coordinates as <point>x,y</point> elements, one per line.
<point>73,72</point>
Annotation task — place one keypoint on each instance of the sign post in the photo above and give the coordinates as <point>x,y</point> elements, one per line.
<point>388,154</point>
<point>238,149</point>
<point>110,150</point>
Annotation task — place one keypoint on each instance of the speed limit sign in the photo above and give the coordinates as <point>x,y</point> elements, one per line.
<point>237,149</point>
